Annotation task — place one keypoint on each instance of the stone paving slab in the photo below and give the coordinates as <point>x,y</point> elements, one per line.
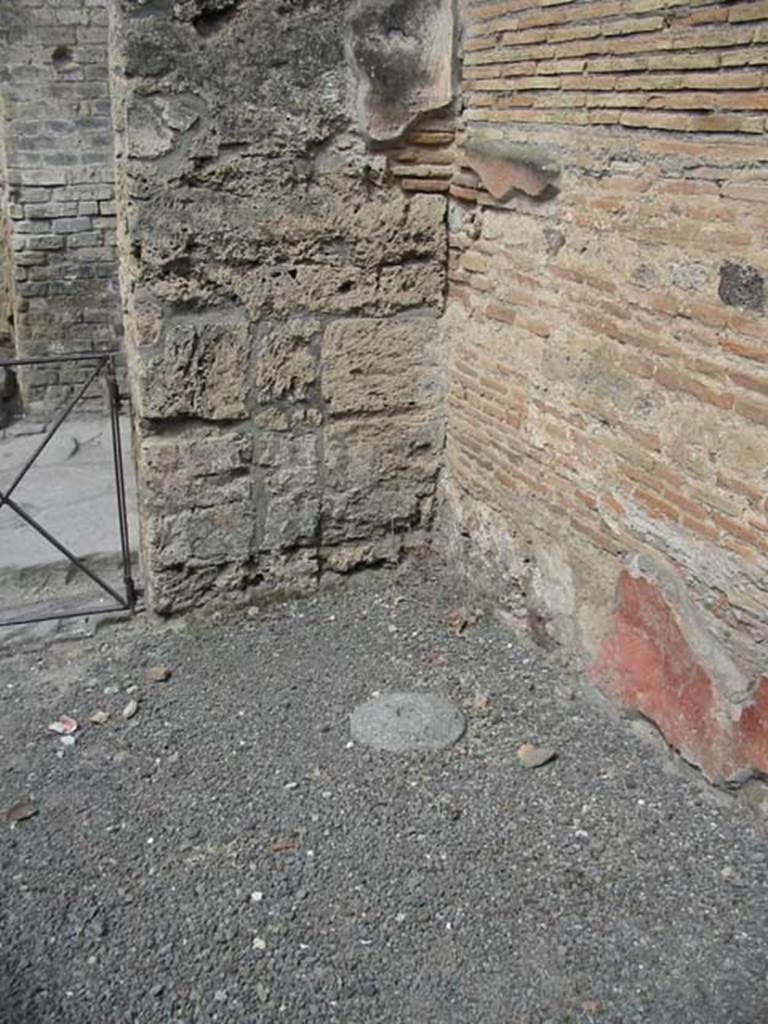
<point>407,722</point>
<point>229,853</point>
<point>70,490</point>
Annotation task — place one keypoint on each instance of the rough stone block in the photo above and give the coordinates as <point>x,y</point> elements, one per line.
<point>197,471</point>
<point>742,286</point>
<point>288,496</point>
<point>201,371</point>
<point>217,535</point>
<point>375,365</point>
<point>379,475</point>
<point>180,588</point>
<point>250,231</point>
<point>285,361</point>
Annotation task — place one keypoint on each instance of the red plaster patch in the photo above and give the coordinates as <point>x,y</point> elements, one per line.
<point>646,665</point>
<point>752,729</point>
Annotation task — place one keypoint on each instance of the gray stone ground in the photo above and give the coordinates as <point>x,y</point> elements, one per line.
<point>70,490</point>
<point>228,854</point>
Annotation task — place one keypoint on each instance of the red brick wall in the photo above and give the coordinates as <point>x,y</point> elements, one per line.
<point>608,413</point>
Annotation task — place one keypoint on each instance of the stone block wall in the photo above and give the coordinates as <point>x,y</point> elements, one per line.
<point>607,437</point>
<point>283,298</point>
<point>59,185</point>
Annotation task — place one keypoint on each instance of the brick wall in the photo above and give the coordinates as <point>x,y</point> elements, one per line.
<point>6,347</point>
<point>8,403</point>
<point>608,413</point>
<point>5,337</point>
<point>60,192</point>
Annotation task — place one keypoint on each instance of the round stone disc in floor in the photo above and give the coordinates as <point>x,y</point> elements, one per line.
<point>404,722</point>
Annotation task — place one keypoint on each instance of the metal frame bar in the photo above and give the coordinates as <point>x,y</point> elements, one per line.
<point>117,460</point>
<point>105,362</point>
<point>79,614</point>
<point>76,357</point>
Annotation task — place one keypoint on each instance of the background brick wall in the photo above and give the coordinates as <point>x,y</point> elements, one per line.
<point>8,388</point>
<point>608,411</point>
<point>60,191</point>
<point>5,293</point>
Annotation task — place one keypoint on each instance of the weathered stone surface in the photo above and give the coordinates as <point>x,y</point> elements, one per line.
<point>380,475</point>
<point>253,233</point>
<point>286,361</point>
<point>288,495</point>
<point>340,251</point>
<point>146,134</point>
<point>402,54</point>
<point>210,535</point>
<point>201,371</point>
<point>742,286</point>
<point>344,557</point>
<point>195,471</point>
<point>181,588</point>
<point>378,365</point>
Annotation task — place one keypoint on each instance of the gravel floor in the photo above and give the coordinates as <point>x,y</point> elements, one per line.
<point>228,855</point>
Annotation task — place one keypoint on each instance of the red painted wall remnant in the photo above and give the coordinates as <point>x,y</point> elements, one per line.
<point>646,665</point>
<point>751,740</point>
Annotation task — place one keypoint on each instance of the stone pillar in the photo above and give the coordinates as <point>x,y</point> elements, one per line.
<point>59,184</point>
<point>282,299</point>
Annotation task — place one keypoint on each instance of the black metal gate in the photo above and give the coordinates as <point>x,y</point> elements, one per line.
<point>98,364</point>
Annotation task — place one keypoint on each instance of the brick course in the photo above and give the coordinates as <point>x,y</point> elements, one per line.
<point>5,291</point>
